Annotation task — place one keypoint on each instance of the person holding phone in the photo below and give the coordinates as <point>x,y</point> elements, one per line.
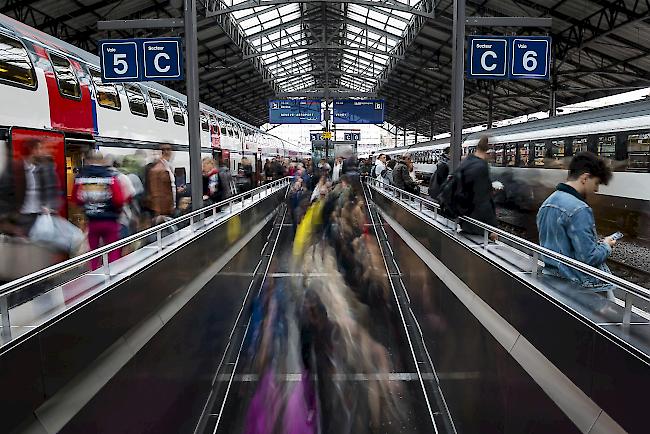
<point>566,223</point>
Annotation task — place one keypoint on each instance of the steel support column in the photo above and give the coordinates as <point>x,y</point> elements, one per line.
<point>457,82</point>
<point>192,91</point>
<point>490,107</point>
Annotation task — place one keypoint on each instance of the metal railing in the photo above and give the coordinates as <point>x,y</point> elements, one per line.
<point>193,217</point>
<point>632,291</point>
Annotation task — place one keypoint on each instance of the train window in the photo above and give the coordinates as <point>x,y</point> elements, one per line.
<point>579,145</point>
<point>177,112</point>
<point>16,67</point>
<point>638,149</point>
<point>523,151</point>
<point>107,95</point>
<point>137,103</point>
<point>606,146</point>
<point>159,107</point>
<point>511,155</point>
<point>555,153</point>
<point>540,151</point>
<point>498,155</point>
<point>213,123</point>
<point>204,121</point>
<point>66,79</point>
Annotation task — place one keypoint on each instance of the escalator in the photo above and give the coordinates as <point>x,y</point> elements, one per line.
<point>336,400</point>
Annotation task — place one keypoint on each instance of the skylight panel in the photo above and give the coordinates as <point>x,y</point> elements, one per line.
<point>377,16</point>
<point>268,16</point>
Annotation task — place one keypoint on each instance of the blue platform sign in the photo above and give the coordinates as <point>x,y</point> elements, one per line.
<point>508,57</point>
<point>294,111</point>
<point>362,111</point>
<point>487,57</point>
<point>352,137</point>
<point>531,57</point>
<point>119,60</point>
<point>139,59</point>
<point>162,59</point>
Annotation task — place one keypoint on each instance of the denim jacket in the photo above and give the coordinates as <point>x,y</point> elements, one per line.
<point>566,225</point>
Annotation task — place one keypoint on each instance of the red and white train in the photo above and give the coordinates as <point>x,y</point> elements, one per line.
<point>53,90</point>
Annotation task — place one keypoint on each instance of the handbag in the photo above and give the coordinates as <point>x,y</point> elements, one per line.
<point>56,232</point>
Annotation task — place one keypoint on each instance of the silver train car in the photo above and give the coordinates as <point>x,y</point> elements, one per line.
<point>531,158</point>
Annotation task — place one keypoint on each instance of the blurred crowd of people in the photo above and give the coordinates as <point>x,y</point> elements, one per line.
<point>319,358</point>
<point>112,197</point>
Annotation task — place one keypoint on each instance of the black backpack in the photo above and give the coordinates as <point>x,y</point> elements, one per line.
<point>454,200</point>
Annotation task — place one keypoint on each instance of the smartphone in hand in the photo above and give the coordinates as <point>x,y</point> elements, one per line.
<point>616,236</point>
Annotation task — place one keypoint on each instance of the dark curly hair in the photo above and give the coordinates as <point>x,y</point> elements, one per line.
<point>587,162</point>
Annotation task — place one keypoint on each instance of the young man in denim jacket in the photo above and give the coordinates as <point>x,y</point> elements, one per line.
<point>566,223</point>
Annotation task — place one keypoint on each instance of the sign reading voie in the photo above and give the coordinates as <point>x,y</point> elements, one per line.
<point>119,60</point>
<point>139,59</point>
<point>363,111</point>
<point>530,57</point>
<point>294,111</point>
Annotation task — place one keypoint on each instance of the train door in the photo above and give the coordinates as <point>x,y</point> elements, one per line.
<point>74,156</point>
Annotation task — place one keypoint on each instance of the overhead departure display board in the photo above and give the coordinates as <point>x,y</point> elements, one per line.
<point>361,111</point>
<point>294,111</point>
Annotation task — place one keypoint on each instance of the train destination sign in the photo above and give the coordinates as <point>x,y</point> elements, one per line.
<point>362,111</point>
<point>141,59</point>
<point>508,57</point>
<point>294,111</point>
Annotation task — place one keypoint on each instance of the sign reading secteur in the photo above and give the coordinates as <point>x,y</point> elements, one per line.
<point>157,59</point>
<point>361,111</point>
<point>508,57</point>
<point>294,111</point>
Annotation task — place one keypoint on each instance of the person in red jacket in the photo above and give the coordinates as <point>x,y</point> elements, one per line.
<point>98,191</point>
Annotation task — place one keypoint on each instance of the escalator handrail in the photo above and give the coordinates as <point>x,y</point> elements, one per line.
<point>623,284</point>
<point>30,279</point>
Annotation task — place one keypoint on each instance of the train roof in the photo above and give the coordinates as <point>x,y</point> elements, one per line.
<point>615,112</point>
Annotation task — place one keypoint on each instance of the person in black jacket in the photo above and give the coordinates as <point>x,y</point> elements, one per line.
<point>440,175</point>
<point>401,177</point>
<point>478,186</point>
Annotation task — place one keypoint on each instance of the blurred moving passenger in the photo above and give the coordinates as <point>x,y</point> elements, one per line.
<point>226,187</point>
<point>477,186</point>
<point>401,176</point>
<point>128,216</point>
<point>380,171</point>
<point>210,175</point>
<point>566,223</point>
<point>161,185</point>
<point>390,165</point>
<point>338,168</point>
<point>440,175</point>
<point>247,174</point>
<point>268,171</point>
<point>98,190</point>
<point>29,189</point>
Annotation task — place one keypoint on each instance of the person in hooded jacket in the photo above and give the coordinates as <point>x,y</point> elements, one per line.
<point>440,175</point>
<point>210,175</point>
<point>98,190</point>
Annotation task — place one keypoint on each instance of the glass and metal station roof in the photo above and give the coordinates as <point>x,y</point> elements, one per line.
<point>350,46</point>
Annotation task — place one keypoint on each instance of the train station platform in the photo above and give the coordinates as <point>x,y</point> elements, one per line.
<point>478,338</point>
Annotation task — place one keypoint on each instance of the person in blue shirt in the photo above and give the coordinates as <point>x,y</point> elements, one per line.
<point>566,223</point>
